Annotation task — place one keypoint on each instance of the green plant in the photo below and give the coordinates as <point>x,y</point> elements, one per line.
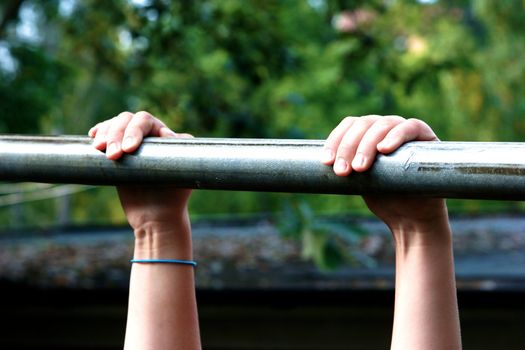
<point>327,243</point>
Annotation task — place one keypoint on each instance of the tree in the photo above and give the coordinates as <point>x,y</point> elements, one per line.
<point>262,69</point>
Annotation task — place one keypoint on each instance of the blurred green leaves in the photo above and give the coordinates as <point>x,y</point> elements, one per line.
<point>284,69</point>
<point>327,243</point>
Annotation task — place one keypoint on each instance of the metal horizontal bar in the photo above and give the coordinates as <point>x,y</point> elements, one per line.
<point>438,169</point>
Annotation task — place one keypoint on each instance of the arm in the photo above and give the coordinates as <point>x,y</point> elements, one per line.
<point>426,314</point>
<point>162,311</point>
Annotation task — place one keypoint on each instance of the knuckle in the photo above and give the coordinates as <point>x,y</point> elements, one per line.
<point>348,119</point>
<point>143,115</point>
<point>365,121</point>
<point>415,122</point>
<point>370,118</point>
<point>422,129</point>
<point>393,119</point>
<point>123,115</point>
<point>416,125</point>
<point>389,121</point>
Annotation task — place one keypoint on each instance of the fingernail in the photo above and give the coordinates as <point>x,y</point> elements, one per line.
<point>359,161</point>
<point>128,142</point>
<point>340,165</point>
<point>328,155</point>
<point>112,148</point>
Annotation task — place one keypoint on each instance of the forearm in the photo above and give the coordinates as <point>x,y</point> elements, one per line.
<point>162,312</point>
<point>426,314</point>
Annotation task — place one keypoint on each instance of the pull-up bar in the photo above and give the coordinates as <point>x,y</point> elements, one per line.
<point>438,169</point>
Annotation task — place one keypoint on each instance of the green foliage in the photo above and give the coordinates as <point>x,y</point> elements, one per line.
<point>23,103</point>
<point>284,69</point>
<point>326,243</point>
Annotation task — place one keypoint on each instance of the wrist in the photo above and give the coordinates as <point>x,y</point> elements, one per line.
<point>164,239</point>
<point>434,232</point>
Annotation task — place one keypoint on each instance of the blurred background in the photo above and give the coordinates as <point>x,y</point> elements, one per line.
<point>273,267</point>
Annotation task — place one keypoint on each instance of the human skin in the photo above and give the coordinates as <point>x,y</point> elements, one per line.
<point>162,308</point>
<point>426,314</point>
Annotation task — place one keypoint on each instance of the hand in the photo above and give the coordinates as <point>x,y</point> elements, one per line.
<point>144,205</point>
<point>162,309</point>
<point>353,145</point>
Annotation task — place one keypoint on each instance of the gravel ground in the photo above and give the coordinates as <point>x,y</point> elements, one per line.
<point>490,255</point>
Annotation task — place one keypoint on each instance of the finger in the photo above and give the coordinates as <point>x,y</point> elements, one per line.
<point>142,124</point>
<point>167,132</point>
<point>334,139</point>
<point>184,136</point>
<point>100,138</point>
<point>348,145</point>
<point>115,135</point>
<point>367,148</point>
<point>409,130</point>
<point>93,131</point>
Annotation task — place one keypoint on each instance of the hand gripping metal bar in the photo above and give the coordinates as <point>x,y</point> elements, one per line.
<point>438,169</point>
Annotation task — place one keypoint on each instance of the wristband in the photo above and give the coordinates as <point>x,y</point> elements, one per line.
<point>164,261</point>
